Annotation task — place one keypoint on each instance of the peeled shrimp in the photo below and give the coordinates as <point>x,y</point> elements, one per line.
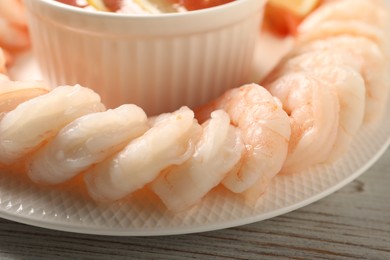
<point>374,69</point>
<point>5,60</point>
<point>170,141</point>
<point>265,131</point>
<point>317,108</point>
<point>367,11</point>
<point>308,60</point>
<point>218,150</point>
<point>12,93</point>
<point>347,28</point>
<point>12,37</point>
<point>13,26</point>
<point>33,122</point>
<point>339,70</point>
<point>350,89</point>
<point>86,141</point>
<point>13,11</point>
<point>313,108</point>
<point>2,61</point>
<point>10,100</point>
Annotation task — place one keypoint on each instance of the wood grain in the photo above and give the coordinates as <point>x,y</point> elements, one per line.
<point>353,223</point>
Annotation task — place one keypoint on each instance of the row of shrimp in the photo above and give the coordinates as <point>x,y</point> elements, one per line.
<point>336,78</point>
<point>313,103</point>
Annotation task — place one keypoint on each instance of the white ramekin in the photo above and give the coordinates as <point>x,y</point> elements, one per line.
<point>159,62</point>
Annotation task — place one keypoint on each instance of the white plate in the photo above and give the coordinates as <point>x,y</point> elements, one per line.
<point>143,215</point>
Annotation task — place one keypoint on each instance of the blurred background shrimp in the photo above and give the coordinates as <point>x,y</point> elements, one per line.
<point>14,35</point>
<point>366,11</point>
<point>2,61</point>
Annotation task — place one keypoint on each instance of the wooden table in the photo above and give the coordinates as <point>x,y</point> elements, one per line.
<point>353,223</point>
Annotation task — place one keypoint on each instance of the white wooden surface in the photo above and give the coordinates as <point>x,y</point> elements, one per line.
<point>353,223</point>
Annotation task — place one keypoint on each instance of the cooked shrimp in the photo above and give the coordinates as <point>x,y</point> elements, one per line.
<point>218,150</point>
<point>13,11</point>
<point>265,131</point>
<point>355,28</point>
<point>12,93</point>
<point>313,108</point>
<point>86,141</point>
<point>13,26</point>
<point>312,59</point>
<point>8,85</point>
<point>12,37</point>
<point>6,60</point>
<point>351,91</point>
<point>33,122</point>
<point>170,141</point>
<point>375,69</point>
<point>367,11</point>
<point>2,61</point>
<point>339,70</point>
<point>10,100</point>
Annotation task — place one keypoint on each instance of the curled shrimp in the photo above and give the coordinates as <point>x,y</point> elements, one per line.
<point>14,12</point>
<point>374,68</point>
<point>355,28</point>
<point>6,59</point>
<point>13,26</point>
<point>169,141</point>
<point>350,89</point>
<point>86,141</point>
<point>248,135</point>
<point>12,37</point>
<point>218,150</point>
<point>32,122</point>
<point>313,108</point>
<point>10,100</point>
<point>367,11</point>
<point>2,61</point>
<point>341,71</point>
<point>265,131</point>
<point>12,93</point>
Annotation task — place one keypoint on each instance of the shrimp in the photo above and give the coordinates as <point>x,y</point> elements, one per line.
<point>86,141</point>
<point>31,123</point>
<point>12,37</point>
<point>6,60</point>
<point>170,141</point>
<point>350,89</point>
<point>13,11</point>
<point>374,69</point>
<point>12,93</point>
<point>13,25</point>
<point>367,11</point>
<point>3,61</point>
<point>10,100</point>
<point>339,70</point>
<point>355,28</point>
<point>313,108</point>
<point>312,59</point>
<point>218,150</point>
<point>265,131</point>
